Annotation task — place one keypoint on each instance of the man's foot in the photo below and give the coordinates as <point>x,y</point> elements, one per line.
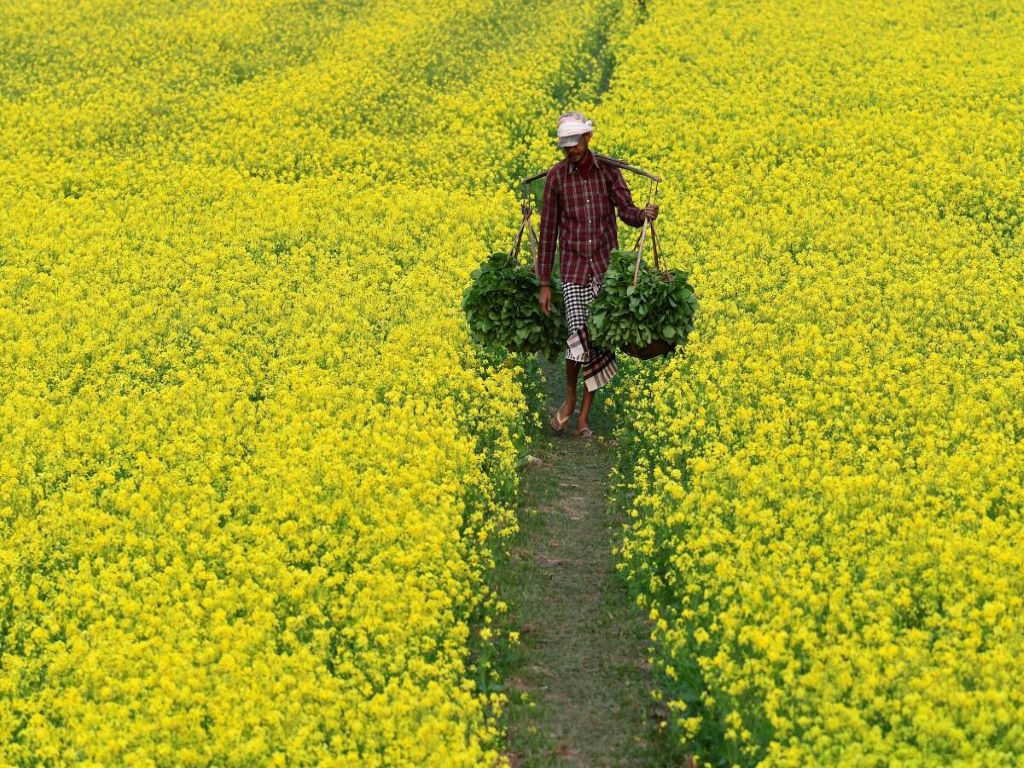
<point>558,425</point>
<point>585,431</point>
<point>559,422</point>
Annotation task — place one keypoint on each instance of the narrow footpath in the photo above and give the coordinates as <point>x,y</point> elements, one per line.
<point>579,683</point>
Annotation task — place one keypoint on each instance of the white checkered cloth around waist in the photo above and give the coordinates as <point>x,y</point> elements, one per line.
<point>598,364</point>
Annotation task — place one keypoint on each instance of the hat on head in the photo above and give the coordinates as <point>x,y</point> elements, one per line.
<point>571,127</point>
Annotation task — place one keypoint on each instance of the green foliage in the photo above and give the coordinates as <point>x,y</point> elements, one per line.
<point>502,309</point>
<point>660,306</point>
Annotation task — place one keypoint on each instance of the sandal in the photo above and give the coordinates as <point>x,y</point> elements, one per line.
<point>558,425</point>
<point>586,432</point>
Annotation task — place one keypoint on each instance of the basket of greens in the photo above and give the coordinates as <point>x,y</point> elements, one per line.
<point>501,303</point>
<point>644,311</point>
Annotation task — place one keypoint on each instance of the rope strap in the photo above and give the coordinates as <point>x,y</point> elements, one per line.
<point>652,194</point>
<point>526,226</point>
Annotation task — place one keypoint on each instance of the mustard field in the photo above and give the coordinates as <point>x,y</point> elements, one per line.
<point>253,472</point>
<point>255,476</point>
<point>827,486</point>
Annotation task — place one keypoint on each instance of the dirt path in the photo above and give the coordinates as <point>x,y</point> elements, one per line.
<point>582,660</point>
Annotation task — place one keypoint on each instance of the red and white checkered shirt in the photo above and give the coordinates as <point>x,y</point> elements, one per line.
<point>579,212</point>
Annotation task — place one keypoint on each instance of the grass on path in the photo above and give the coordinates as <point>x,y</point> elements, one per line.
<point>579,683</point>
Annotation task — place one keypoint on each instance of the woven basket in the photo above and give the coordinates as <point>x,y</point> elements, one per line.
<point>656,348</point>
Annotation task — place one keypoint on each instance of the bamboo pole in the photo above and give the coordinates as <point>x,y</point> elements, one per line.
<point>604,158</point>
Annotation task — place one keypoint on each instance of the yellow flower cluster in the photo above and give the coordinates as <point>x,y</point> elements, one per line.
<point>252,470</point>
<point>827,487</point>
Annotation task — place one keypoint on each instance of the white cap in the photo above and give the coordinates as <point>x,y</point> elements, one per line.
<point>571,128</point>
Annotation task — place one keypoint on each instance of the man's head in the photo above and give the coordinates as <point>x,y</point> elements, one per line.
<point>574,132</point>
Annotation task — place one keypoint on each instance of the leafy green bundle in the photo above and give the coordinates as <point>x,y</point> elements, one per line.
<point>502,309</point>
<point>660,306</point>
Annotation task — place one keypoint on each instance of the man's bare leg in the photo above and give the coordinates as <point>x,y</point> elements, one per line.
<point>572,377</point>
<point>588,400</point>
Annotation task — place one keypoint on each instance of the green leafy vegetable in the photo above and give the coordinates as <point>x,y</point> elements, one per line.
<point>502,309</point>
<point>661,305</point>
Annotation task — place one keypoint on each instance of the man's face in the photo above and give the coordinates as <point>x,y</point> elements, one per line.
<point>575,154</point>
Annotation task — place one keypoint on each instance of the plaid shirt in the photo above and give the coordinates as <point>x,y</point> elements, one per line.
<point>578,213</point>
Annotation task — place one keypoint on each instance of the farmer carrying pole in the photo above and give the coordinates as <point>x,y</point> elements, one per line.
<point>581,197</point>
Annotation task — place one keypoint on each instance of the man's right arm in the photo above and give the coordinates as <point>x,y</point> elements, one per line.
<point>549,213</point>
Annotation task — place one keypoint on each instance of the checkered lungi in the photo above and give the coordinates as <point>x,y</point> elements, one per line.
<point>598,364</point>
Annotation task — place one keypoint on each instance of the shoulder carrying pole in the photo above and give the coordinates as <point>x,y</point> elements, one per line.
<point>614,161</point>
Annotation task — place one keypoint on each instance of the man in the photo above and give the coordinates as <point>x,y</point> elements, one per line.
<point>581,197</point>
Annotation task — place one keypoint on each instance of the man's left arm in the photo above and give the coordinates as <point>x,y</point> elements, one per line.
<point>623,201</point>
